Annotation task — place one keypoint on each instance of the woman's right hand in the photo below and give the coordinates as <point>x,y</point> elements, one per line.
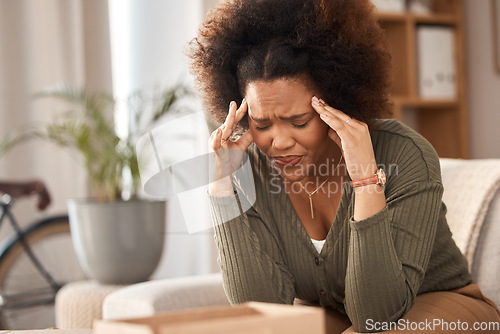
<point>228,154</point>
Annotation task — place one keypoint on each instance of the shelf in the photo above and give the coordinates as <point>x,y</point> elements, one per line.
<point>443,122</point>
<point>392,17</point>
<point>438,19</point>
<point>424,104</point>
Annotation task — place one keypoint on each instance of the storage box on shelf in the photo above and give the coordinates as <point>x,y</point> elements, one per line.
<point>443,121</point>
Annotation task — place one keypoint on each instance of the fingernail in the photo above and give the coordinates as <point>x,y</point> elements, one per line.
<point>231,104</point>
<point>321,101</point>
<point>243,101</point>
<point>315,99</point>
<point>323,115</point>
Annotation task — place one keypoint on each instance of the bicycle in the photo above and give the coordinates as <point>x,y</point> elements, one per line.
<point>35,262</point>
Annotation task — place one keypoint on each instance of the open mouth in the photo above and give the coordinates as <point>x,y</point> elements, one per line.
<point>287,161</point>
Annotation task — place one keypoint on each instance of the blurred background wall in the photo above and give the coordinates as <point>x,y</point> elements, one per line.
<point>483,81</point>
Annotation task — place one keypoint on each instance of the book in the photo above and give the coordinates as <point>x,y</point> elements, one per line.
<point>436,62</point>
<point>389,5</point>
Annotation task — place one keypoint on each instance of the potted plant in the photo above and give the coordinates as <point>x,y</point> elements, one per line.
<point>118,237</point>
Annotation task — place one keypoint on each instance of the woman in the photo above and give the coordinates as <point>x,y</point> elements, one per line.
<point>327,226</point>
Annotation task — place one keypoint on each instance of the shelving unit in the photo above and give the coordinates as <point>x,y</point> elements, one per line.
<point>443,122</point>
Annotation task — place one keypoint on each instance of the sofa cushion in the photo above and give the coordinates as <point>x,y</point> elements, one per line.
<point>148,298</point>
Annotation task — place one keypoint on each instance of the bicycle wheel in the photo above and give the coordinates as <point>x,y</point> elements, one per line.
<point>27,296</point>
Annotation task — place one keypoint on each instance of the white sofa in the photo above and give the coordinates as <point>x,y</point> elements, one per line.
<point>473,199</point>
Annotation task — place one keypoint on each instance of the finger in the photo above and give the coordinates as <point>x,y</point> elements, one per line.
<point>335,120</point>
<point>211,143</point>
<point>228,123</point>
<point>244,141</point>
<point>321,107</point>
<point>340,115</point>
<point>334,111</point>
<point>335,123</point>
<point>215,140</point>
<point>242,110</point>
<point>212,136</point>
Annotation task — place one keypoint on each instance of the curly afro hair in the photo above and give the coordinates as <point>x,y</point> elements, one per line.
<point>338,44</point>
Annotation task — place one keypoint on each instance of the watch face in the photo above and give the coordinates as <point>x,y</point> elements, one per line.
<point>381,177</point>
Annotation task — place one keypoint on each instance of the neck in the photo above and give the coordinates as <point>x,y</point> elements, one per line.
<point>328,168</point>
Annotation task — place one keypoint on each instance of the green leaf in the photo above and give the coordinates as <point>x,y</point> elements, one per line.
<point>89,129</point>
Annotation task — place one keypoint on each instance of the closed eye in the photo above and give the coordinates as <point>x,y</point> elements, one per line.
<point>261,128</point>
<point>301,125</point>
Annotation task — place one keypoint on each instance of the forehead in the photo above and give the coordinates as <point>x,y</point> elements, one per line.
<point>280,97</point>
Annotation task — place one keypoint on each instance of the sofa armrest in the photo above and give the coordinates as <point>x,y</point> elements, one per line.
<point>147,298</point>
<point>485,266</point>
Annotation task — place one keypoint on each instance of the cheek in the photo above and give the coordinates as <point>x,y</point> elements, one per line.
<point>311,141</point>
<point>260,138</point>
<point>317,133</point>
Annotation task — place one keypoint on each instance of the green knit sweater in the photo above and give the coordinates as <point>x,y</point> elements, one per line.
<point>369,269</point>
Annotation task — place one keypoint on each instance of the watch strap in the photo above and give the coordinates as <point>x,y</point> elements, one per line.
<point>377,178</point>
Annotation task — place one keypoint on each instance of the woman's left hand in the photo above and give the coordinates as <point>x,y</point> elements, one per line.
<point>353,138</point>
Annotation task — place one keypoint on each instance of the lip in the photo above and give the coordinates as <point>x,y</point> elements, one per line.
<point>287,161</point>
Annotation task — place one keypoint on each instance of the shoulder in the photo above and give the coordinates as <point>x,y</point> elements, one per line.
<point>402,150</point>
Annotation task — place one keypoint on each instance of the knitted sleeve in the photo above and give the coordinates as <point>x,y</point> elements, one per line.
<point>388,253</point>
<point>251,262</point>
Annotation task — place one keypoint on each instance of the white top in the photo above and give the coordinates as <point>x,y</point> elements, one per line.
<point>318,244</point>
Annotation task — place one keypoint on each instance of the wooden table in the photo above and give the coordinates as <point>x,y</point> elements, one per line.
<point>48,331</point>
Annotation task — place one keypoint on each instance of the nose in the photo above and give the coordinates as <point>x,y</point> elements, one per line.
<point>282,141</point>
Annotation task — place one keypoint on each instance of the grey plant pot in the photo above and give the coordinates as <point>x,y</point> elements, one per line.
<point>119,242</point>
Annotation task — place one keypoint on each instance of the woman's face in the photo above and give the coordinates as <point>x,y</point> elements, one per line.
<point>287,129</point>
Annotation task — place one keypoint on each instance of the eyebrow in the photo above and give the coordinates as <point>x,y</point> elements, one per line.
<point>289,118</point>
